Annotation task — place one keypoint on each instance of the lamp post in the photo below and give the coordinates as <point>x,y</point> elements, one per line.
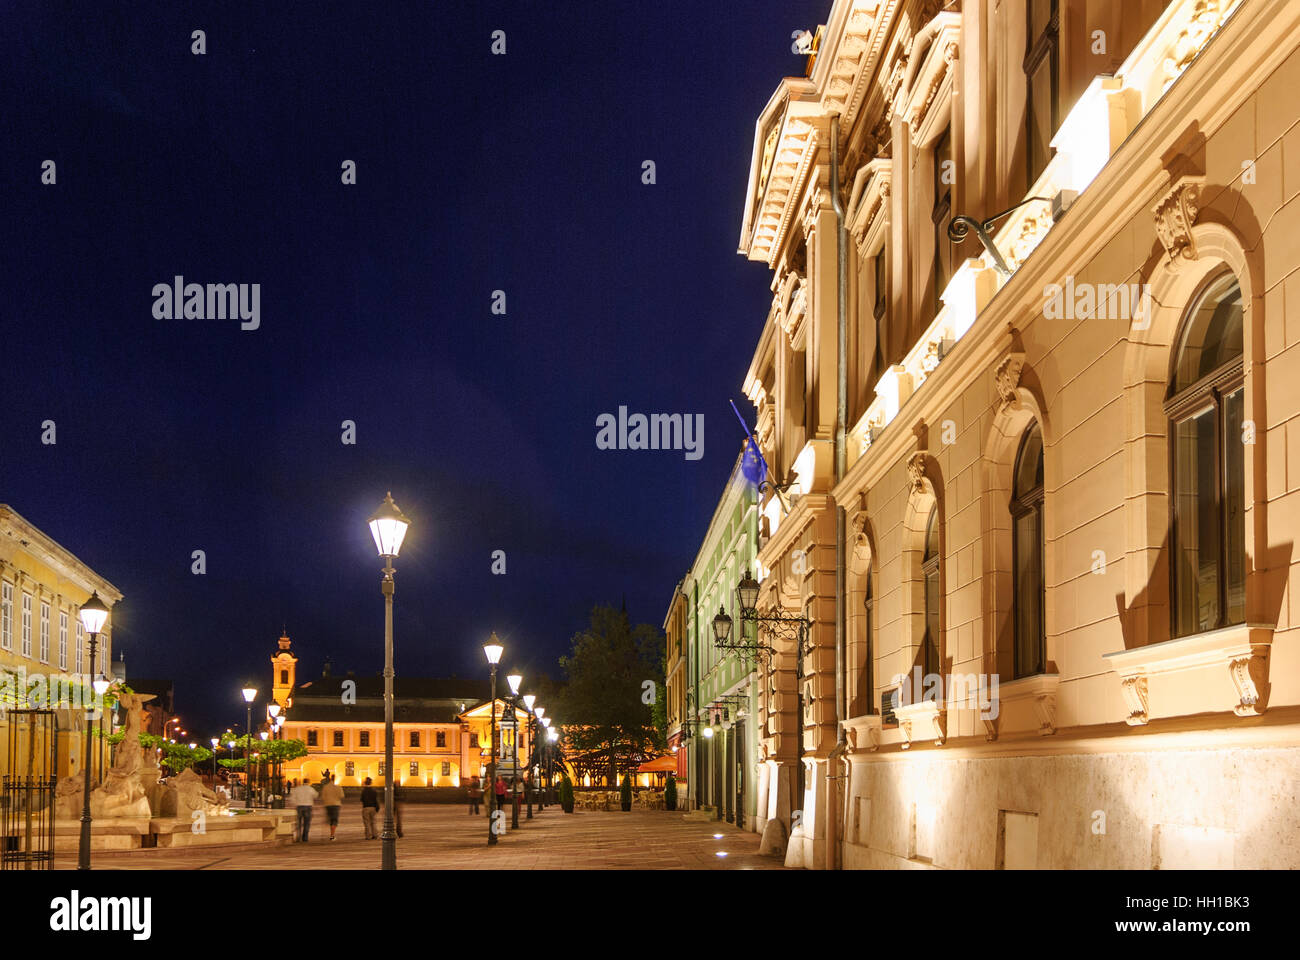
<point>250,694</point>
<point>215,741</point>
<point>492,650</point>
<point>388,526</point>
<point>101,687</point>
<point>514,680</point>
<point>273,720</point>
<point>540,714</point>
<point>529,700</point>
<point>551,737</point>
<point>93,615</point>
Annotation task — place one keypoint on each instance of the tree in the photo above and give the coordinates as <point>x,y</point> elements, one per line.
<point>604,702</point>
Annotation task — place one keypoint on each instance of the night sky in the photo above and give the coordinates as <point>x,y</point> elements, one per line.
<point>475,173</point>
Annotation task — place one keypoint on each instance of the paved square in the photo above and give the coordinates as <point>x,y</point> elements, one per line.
<point>445,837</point>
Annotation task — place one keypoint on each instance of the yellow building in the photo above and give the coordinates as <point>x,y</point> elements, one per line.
<point>43,651</point>
<point>440,729</point>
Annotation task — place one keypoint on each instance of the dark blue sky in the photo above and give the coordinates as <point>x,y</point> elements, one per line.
<point>474,173</point>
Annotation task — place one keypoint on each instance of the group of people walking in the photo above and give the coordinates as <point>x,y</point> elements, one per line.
<point>303,797</point>
<point>500,788</point>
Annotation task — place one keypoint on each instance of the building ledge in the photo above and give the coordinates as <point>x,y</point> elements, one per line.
<point>922,721</point>
<point>1027,704</point>
<point>1174,672</point>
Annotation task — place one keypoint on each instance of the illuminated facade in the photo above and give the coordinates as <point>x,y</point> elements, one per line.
<point>440,732</point>
<point>42,587</point>
<point>1043,484</point>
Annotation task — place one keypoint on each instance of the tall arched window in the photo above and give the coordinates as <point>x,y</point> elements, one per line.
<point>865,687</point>
<point>1205,408</point>
<point>930,571</point>
<point>1027,555</point>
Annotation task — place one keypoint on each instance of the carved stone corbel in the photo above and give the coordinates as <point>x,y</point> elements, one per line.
<point>1135,695</point>
<point>1175,215</point>
<point>1250,678</point>
<point>1007,378</point>
<point>916,472</point>
<point>1045,711</point>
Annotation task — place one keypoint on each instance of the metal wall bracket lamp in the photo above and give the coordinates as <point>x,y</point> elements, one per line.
<point>960,227</point>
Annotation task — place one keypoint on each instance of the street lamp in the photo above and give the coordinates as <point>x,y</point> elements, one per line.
<point>492,650</point>
<point>514,680</point>
<point>551,737</point>
<point>530,782</point>
<point>101,686</point>
<point>214,741</point>
<point>250,694</point>
<point>388,526</point>
<point>93,615</point>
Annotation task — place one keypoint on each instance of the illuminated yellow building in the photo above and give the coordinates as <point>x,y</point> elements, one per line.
<point>440,729</point>
<point>42,647</point>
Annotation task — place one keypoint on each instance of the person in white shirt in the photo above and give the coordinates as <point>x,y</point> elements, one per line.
<point>303,797</point>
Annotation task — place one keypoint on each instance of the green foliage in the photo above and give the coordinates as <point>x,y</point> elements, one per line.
<point>625,792</point>
<point>566,794</point>
<point>603,701</point>
<point>236,765</point>
<point>670,793</point>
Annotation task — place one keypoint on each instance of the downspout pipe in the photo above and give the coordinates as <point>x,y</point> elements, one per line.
<point>834,772</point>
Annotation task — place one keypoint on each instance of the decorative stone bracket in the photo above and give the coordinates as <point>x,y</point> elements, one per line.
<point>863,733</point>
<point>1026,704</point>
<point>1176,214</point>
<point>1176,669</point>
<point>926,720</point>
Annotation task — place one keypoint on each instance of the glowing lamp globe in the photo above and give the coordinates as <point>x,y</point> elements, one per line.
<point>93,613</point>
<point>388,526</point>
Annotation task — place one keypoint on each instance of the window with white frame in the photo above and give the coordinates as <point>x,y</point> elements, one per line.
<point>27,624</point>
<point>81,645</point>
<point>45,631</point>
<point>7,616</point>
<point>63,640</point>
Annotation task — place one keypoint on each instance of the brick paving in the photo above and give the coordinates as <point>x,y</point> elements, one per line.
<point>445,837</point>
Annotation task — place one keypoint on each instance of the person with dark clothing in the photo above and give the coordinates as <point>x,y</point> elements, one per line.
<point>500,788</point>
<point>475,795</point>
<point>397,806</point>
<point>369,809</point>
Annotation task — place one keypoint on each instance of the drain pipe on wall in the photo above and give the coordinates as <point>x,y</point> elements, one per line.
<point>835,766</point>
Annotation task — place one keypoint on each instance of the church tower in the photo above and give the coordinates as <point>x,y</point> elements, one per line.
<point>284,671</point>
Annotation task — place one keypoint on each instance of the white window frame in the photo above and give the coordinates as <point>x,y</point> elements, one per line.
<point>27,625</point>
<point>81,644</point>
<point>7,616</point>
<point>45,631</point>
<point>63,640</point>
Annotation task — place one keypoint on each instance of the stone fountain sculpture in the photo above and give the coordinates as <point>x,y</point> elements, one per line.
<point>131,787</point>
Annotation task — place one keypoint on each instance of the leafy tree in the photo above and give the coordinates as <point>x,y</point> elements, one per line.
<point>566,794</point>
<point>670,793</point>
<point>603,700</point>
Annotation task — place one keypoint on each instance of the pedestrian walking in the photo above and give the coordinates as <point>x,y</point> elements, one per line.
<point>475,795</point>
<point>303,797</point>
<point>500,788</point>
<point>369,808</point>
<point>331,795</point>
<point>397,806</point>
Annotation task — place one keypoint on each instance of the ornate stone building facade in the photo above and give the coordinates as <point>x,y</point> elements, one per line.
<point>1028,388</point>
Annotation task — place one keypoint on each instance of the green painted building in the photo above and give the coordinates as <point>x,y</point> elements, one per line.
<point>718,730</point>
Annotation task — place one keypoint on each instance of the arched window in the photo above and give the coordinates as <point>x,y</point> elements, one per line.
<point>930,571</point>
<point>1027,555</point>
<point>1205,407</point>
<point>865,688</point>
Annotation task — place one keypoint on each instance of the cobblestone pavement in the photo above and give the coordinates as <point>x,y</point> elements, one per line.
<point>445,837</point>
